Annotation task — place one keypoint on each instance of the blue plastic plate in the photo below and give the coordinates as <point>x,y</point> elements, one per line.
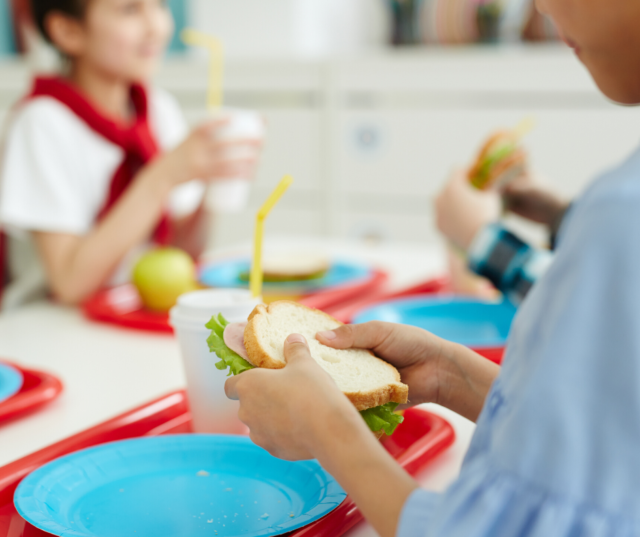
<point>10,381</point>
<point>170,486</point>
<point>468,321</point>
<point>227,274</point>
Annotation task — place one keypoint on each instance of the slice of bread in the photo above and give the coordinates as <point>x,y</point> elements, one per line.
<point>291,267</point>
<point>365,379</point>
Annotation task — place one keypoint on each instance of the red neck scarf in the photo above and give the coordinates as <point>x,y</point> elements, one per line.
<point>136,140</point>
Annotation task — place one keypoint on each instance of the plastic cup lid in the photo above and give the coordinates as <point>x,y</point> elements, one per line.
<point>199,306</point>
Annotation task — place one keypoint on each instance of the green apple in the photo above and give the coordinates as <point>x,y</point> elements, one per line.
<point>162,275</point>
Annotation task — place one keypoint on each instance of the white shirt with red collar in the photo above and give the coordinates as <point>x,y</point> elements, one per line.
<point>55,174</point>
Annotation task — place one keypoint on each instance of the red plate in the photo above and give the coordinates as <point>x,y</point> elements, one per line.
<point>37,389</point>
<point>415,444</point>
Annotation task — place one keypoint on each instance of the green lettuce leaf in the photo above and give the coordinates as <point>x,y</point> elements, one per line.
<point>496,155</point>
<point>378,418</point>
<point>382,418</point>
<point>228,359</point>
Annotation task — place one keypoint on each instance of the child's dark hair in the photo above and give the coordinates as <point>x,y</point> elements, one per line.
<point>42,8</point>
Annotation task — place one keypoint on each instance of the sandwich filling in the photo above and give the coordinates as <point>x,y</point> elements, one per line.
<point>226,340</point>
<point>501,150</point>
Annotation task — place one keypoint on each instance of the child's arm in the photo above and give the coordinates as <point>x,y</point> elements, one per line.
<point>77,266</point>
<point>469,218</point>
<point>299,413</point>
<point>528,199</point>
<point>509,263</point>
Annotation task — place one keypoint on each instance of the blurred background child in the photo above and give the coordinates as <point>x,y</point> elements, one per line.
<point>97,163</point>
<point>471,220</point>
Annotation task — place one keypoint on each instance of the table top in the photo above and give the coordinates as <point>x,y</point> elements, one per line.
<point>108,370</point>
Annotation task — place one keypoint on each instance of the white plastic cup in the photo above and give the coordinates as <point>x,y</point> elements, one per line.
<point>211,410</point>
<point>232,195</point>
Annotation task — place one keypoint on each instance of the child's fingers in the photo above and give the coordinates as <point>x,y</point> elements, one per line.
<point>231,388</point>
<point>233,169</point>
<point>224,145</point>
<point>296,349</point>
<point>210,125</point>
<point>359,336</point>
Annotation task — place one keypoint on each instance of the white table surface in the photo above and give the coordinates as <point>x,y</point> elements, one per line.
<point>108,370</point>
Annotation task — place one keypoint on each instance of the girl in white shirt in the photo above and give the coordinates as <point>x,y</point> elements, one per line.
<point>96,163</point>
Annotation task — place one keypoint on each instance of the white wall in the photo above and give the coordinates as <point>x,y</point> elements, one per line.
<point>303,28</point>
<point>370,140</point>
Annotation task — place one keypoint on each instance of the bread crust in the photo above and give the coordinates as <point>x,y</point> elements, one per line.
<point>395,392</point>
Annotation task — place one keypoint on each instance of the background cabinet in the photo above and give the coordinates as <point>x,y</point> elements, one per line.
<point>369,140</point>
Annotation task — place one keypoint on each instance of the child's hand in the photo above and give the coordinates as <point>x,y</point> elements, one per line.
<point>462,210</point>
<point>290,410</point>
<point>419,356</point>
<point>298,412</point>
<point>436,370</point>
<point>203,156</point>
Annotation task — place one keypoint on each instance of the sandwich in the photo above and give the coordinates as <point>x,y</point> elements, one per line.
<point>500,160</point>
<point>293,267</point>
<point>371,384</point>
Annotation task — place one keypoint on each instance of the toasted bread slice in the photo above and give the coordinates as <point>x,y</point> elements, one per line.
<point>366,380</point>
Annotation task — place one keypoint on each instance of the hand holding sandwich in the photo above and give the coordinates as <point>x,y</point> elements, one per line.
<point>298,412</point>
<point>288,410</point>
<point>462,210</point>
<point>436,370</point>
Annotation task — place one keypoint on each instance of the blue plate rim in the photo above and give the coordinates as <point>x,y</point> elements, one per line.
<point>301,285</point>
<point>442,299</point>
<point>13,377</point>
<point>24,493</point>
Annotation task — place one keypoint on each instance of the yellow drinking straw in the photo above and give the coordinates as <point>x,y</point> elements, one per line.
<point>195,38</point>
<point>524,127</point>
<point>255,279</point>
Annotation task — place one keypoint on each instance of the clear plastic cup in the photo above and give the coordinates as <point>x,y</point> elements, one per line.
<point>211,410</point>
<point>232,195</point>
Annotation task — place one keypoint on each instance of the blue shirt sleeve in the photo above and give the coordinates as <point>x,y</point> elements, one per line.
<point>509,263</point>
<point>417,513</point>
<point>555,450</point>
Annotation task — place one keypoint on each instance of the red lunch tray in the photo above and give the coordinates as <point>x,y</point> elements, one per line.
<point>121,305</point>
<point>38,388</point>
<point>415,444</point>
<point>346,311</point>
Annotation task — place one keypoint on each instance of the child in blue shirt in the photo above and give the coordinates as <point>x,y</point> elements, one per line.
<point>555,451</point>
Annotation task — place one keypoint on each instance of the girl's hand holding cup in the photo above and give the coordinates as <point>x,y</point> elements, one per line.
<point>224,151</point>
<point>209,157</point>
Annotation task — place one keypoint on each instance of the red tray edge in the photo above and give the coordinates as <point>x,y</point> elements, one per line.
<point>94,309</point>
<point>12,473</point>
<point>440,437</point>
<point>421,453</point>
<point>29,399</point>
